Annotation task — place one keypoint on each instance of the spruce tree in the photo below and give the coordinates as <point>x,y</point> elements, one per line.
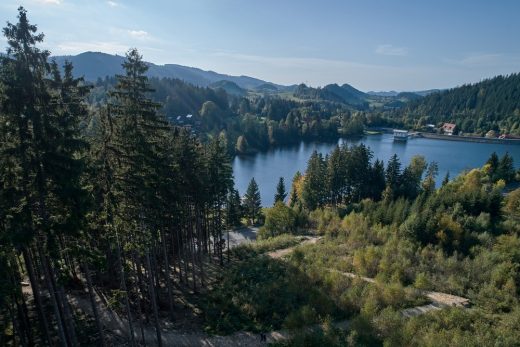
<point>233,209</point>
<point>446,179</point>
<point>313,192</point>
<point>393,173</point>
<point>377,180</point>
<point>428,184</point>
<point>281,194</point>
<point>506,168</point>
<point>140,140</point>
<point>252,201</point>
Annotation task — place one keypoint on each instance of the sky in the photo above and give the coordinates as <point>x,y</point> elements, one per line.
<point>372,45</point>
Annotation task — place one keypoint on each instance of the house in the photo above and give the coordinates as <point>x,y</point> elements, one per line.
<point>448,128</point>
<point>507,136</point>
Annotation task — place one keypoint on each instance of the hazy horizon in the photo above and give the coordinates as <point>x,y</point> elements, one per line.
<point>377,46</point>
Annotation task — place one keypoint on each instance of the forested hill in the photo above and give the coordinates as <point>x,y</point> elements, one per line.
<point>94,65</point>
<point>493,104</point>
<point>177,97</point>
<point>332,92</point>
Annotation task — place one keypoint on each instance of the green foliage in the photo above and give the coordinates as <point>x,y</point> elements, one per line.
<point>353,126</point>
<point>280,219</point>
<point>259,294</point>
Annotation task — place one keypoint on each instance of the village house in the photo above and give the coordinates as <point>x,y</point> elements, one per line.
<point>448,128</point>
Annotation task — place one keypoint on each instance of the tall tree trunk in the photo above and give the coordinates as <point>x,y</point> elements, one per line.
<point>52,293</point>
<point>140,293</point>
<point>23,312</point>
<point>154,300</point>
<point>127,300</point>
<point>228,250</point>
<point>167,274</point>
<point>68,315</point>
<point>14,323</point>
<point>93,303</point>
<point>35,286</point>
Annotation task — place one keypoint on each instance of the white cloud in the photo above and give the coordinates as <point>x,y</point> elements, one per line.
<point>49,2</point>
<point>113,3</point>
<point>387,49</point>
<point>139,34</point>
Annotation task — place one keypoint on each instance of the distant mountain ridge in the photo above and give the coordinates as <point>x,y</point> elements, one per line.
<point>94,65</point>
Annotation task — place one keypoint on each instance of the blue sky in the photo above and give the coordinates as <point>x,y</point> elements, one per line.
<point>373,45</point>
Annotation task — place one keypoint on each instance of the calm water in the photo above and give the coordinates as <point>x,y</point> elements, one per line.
<point>267,167</point>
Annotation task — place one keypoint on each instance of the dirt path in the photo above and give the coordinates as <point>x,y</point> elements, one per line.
<point>438,299</point>
<point>282,252</point>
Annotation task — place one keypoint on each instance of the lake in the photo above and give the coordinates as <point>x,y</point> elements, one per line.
<point>455,157</point>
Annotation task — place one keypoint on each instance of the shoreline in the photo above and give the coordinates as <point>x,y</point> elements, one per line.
<point>469,139</point>
<point>476,139</point>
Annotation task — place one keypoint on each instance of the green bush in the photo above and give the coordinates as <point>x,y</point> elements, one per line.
<point>280,219</point>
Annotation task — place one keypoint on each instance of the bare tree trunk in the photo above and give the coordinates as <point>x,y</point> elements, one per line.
<point>228,250</point>
<point>52,294</point>
<point>68,315</point>
<point>139,290</point>
<point>27,258</point>
<point>167,274</point>
<point>154,300</point>
<point>14,322</point>
<point>94,305</point>
<point>198,225</point>
<point>23,312</point>
<point>127,300</point>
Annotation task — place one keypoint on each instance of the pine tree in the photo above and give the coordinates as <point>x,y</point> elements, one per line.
<point>428,184</point>
<point>313,192</point>
<point>446,179</point>
<point>377,180</point>
<point>493,163</point>
<point>336,176</point>
<point>296,183</point>
<point>252,201</point>
<point>393,173</point>
<point>506,168</point>
<point>281,194</point>
<point>140,138</point>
